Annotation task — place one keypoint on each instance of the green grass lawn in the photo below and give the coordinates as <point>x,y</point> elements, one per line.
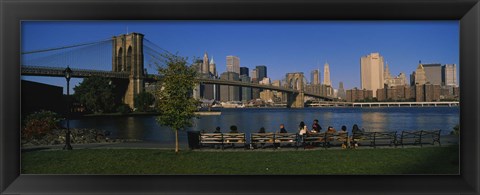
<point>430,160</point>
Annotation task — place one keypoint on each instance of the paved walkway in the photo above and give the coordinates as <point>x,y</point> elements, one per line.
<point>446,140</point>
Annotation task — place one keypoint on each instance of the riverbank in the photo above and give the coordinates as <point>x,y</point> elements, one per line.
<point>428,160</point>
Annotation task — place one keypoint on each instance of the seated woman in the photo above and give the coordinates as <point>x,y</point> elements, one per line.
<point>331,131</point>
<point>356,133</point>
<point>302,128</point>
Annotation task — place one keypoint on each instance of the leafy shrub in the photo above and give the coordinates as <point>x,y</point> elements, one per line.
<point>124,109</point>
<point>39,123</point>
<point>143,101</point>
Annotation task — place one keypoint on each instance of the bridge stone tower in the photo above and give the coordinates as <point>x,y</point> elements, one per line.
<point>127,56</point>
<point>295,81</point>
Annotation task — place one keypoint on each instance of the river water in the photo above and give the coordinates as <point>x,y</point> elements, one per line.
<point>251,119</point>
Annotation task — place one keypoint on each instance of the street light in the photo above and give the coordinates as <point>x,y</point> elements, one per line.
<point>68,74</point>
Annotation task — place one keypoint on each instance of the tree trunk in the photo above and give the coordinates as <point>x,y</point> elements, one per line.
<point>176,141</point>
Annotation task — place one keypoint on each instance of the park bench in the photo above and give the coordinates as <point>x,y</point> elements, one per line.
<point>374,138</point>
<point>286,138</point>
<point>313,138</point>
<point>234,138</point>
<point>215,139</point>
<point>262,139</point>
<point>419,137</point>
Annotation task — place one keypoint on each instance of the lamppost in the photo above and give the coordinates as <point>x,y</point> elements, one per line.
<point>67,72</point>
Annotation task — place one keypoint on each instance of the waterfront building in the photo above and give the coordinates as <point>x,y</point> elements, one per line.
<point>229,93</point>
<point>354,95</point>
<point>412,79</point>
<point>261,71</point>
<point>420,78</point>
<point>341,91</point>
<point>233,64</point>
<point>371,72</point>
<point>266,95</point>
<point>326,74</point>
<point>315,77</point>
<point>449,75</point>
<point>255,91</point>
<point>433,73</point>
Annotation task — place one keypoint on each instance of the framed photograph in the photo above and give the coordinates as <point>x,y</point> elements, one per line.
<point>201,97</point>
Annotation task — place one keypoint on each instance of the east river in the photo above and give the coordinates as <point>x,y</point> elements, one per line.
<point>248,120</point>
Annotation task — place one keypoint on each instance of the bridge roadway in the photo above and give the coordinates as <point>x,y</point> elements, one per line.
<point>83,73</point>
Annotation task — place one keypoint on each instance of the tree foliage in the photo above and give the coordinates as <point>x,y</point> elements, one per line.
<point>96,93</point>
<point>143,101</point>
<point>39,123</point>
<point>174,101</point>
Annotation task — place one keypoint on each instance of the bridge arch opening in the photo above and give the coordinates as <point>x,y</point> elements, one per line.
<point>119,59</point>
<point>129,59</point>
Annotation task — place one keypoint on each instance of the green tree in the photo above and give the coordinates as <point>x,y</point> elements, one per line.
<point>143,101</point>
<point>174,101</point>
<point>96,93</point>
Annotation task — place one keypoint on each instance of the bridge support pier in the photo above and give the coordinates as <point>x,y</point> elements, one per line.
<point>295,100</point>
<point>135,86</point>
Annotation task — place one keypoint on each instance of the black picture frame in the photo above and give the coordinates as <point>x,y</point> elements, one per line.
<point>12,12</point>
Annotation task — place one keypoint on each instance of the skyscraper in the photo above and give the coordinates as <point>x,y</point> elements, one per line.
<point>371,72</point>
<point>420,75</point>
<point>244,71</point>
<point>245,91</point>
<point>341,91</point>
<point>449,75</point>
<point>233,64</point>
<point>315,80</point>
<point>433,73</point>
<point>213,68</point>
<point>261,71</point>
<point>254,74</point>
<point>326,74</point>
<point>205,64</point>
<point>229,93</point>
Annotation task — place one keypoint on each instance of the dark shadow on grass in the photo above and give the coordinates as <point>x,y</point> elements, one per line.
<point>435,162</point>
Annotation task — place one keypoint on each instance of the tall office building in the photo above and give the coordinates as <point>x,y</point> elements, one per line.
<point>341,91</point>
<point>205,64</point>
<point>449,75</point>
<point>213,68</point>
<point>386,74</point>
<point>433,73</point>
<point>254,74</point>
<point>229,93</point>
<point>233,64</point>
<point>315,77</point>
<point>244,71</point>
<point>261,71</point>
<point>420,78</point>
<point>326,74</point>
<point>245,91</point>
<point>371,72</point>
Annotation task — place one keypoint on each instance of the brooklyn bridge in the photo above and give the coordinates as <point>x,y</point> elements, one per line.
<point>126,67</point>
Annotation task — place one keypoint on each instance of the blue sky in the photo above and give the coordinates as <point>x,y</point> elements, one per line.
<point>283,46</point>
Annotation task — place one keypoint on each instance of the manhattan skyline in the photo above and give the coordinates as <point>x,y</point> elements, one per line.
<point>283,46</point>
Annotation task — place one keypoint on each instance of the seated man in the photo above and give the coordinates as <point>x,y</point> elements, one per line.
<point>233,129</point>
<point>342,136</point>
<point>316,127</point>
<point>262,130</point>
<point>217,130</point>
<point>282,129</point>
